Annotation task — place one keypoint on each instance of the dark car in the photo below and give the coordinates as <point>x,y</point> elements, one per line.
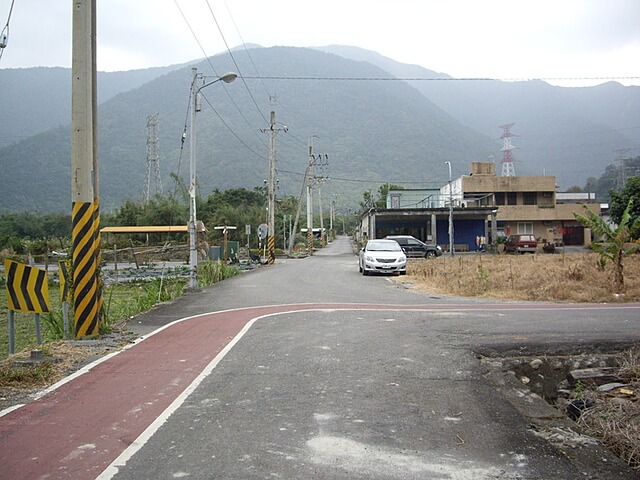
<point>521,243</point>
<point>414,247</point>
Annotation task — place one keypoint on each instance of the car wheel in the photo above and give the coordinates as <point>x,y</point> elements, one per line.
<point>403,273</point>
<point>359,268</point>
<point>430,254</point>
<point>364,272</point>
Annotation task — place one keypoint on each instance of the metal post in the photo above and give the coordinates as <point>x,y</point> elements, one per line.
<point>65,319</point>
<point>36,319</point>
<point>450,211</point>
<point>12,332</point>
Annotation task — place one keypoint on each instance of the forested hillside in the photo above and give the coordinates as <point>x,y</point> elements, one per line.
<point>373,132</point>
<point>572,133</point>
<point>379,121</point>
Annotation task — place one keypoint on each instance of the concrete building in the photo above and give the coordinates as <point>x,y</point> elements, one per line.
<point>485,206</point>
<point>525,204</point>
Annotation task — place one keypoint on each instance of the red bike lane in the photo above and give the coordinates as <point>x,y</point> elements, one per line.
<point>79,428</point>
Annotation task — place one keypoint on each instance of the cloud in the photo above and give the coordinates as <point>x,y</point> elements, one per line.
<point>496,38</point>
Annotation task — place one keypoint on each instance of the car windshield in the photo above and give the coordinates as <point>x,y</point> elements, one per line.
<point>383,246</point>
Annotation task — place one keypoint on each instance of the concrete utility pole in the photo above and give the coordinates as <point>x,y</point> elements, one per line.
<point>297,219</point>
<point>195,107</point>
<point>193,237</point>
<point>271,189</point>
<point>153,159</point>
<point>309,182</point>
<point>271,241</point>
<point>84,168</point>
<point>323,240</point>
<point>450,211</point>
<point>310,179</point>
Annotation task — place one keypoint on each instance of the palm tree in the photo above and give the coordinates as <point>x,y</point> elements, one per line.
<point>615,244</point>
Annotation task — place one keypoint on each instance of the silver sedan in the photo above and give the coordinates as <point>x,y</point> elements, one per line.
<point>384,256</point>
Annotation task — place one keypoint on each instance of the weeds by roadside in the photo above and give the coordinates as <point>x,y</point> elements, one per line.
<point>614,417</point>
<point>121,302</point>
<point>560,278</point>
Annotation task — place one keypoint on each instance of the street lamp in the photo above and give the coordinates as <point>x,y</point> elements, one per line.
<point>450,211</point>
<point>195,91</point>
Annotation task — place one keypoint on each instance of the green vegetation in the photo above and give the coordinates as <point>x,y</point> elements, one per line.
<point>24,233</point>
<point>121,302</point>
<point>605,186</point>
<point>615,240</point>
<point>621,199</point>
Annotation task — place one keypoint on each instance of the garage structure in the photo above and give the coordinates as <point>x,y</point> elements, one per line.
<point>472,226</point>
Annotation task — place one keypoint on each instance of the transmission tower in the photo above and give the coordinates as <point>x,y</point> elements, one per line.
<point>623,157</point>
<point>507,158</point>
<point>153,163</point>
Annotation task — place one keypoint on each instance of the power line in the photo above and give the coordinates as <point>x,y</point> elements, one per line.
<point>193,33</point>
<point>231,129</point>
<point>234,61</point>
<point>355,180</point>
<point>433,79</point>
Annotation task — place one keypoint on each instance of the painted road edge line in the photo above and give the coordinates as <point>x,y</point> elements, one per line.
<point>146,435</point>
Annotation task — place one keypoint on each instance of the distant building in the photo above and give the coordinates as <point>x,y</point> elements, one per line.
<point>485,206</point>
<point>525,204</point>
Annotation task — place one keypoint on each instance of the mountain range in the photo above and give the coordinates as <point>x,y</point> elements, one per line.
<point>377,120</point>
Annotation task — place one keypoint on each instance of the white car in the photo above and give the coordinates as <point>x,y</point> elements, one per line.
<point>384,256</point>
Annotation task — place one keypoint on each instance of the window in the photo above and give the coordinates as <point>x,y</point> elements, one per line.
<point>512,198</point>
<point>485,199</point>
<point>525,227</point>
<point>499,198</point>
<point>395,201</point>
<point>530,198</point>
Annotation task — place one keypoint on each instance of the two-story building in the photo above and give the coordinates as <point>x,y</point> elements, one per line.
<point>484,207</point>
<point>525,204</point>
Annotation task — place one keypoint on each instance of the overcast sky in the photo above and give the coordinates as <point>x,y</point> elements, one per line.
<point>504,39</point>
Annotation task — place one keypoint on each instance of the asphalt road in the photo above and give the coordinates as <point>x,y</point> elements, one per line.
<point>307,369</point>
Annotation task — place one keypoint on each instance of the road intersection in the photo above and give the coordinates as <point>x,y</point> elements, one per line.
<point>303,370</point>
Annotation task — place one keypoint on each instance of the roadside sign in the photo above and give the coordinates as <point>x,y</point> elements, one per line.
<point>262,231</point>
<point>27,288</point>
<point>64,271</point>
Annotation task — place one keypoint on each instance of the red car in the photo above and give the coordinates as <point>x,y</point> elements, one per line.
<point>521,243</point>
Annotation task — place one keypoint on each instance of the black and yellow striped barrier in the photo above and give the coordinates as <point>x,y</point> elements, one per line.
<point>27,288</point>
<point>85,270</point>
<point>271,248</point>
